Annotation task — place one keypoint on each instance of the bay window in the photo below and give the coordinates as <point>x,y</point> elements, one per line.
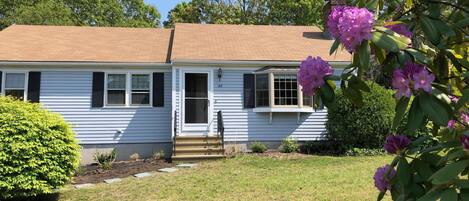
<point>15,85</point>
<point>128,89</point>
<point>262,90</point>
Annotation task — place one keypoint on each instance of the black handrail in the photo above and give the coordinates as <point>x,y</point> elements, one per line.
<point>221,128</point>
<point>175,132</point>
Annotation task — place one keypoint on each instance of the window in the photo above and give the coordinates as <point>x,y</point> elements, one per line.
<point>116,87</point>
<point>140,89</point>
<point>262,90</point>
<point>15,85</point>
<point>128,89</point>
<point>286,89</point>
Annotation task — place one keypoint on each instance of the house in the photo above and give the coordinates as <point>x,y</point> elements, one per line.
<point>140,89</point>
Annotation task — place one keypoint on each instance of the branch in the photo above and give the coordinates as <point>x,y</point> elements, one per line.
<point>450,4</point>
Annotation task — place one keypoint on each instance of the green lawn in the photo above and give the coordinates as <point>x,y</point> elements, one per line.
<point>250,178</point>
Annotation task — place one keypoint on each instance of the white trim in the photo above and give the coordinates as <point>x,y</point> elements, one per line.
<point>204,129</point>
<point>173,100</point>
<point>26,82</point>
<point>284,109</point>
<point>185,62</point>
<point>61,64</point>
<point>128,89</point>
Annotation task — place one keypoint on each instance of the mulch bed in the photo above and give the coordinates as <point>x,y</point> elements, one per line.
<point>94,174</point>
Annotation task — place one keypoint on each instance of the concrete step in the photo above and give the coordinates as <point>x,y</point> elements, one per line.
<point>195,158</point>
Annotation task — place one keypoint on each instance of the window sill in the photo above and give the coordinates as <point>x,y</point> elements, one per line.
<point>128,107</point>
<point>284,109</point>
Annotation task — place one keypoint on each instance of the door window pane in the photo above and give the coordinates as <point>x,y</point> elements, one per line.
<point>196,85</point>
<point>140,89</point>
<point>196,110</point>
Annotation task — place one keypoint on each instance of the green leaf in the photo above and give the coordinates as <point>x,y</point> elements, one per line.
<point>404,173</point>
<point>462,183</point>
<point>364,54</point>
<point>449,172</point>
<point>434,109</point>
<point>416,117</point>
<point>327,95</point>
<point>401,108</point>
<point>381,196</point>
<point>449,195</point>
<point>463,100</point>
<point>355,96</point>
<point>334,46</point>
<point>431,195</point>
<point>430,31</point>
<point>382,40</point>
<point>418,56</point>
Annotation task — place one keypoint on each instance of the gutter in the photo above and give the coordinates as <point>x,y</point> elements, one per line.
<point>59,64</point>
<point>177,63</point>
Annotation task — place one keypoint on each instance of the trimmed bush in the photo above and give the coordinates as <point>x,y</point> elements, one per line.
<point>38,150</point>
<point>362,127</point>
<point>289,145</point>
<point>258,147</point>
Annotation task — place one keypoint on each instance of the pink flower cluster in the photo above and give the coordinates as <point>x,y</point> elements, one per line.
<point>464,117</point>
<point>400,29</point>
<point>351,25</point>
<point>413,76</point>
<point>311,74</point>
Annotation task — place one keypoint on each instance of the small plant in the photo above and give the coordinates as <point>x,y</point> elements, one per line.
<point>159,155</point>
<point>134,157</point>
<point>105,160</point>
<point>289,145</point>
<point>258,147</point>
<point>233,150</point>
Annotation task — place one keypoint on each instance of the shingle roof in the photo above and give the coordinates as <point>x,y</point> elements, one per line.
<point>84,44</point>
<point>251,43</point>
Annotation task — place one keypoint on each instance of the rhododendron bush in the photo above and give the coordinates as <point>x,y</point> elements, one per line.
<point>422,46</point>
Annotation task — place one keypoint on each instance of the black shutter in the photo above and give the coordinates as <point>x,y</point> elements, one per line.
<point>1,81</point>
<point>97,98</point>
<point>158,89</point>
<point>249,91</point>
<point>34,86</point>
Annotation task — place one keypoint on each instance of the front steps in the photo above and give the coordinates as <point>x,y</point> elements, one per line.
<point>197,148</point>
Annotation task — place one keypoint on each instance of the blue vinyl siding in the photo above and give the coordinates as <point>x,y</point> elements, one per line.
<point>245,125</point>
<point>69,93</point>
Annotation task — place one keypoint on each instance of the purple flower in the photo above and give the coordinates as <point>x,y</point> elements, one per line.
<point>382,181</point>
<point>413,76</point>
<point>451,123</point>
<point>351,25</point>
<point>453,98</point>
<point>396,143</point>
<point>400,29</point>
<point>465,117</point>
<point>465,141</point>
<point>401,83</point>
<point>311,74</point>
<point>333,20</point>
<point>423,80</point>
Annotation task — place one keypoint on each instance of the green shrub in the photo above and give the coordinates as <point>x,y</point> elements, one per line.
<point>38,150</point>
<point>258,147</point>
<point>362,127</point>
<point>289,145</point>
<point>105,160</point>
<point>323,147</point>
<point>365,152</point>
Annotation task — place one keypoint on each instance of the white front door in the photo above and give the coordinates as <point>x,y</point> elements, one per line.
<point>197,102</point>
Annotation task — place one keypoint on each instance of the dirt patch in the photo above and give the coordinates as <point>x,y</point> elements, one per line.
<point>280,155</point>
<point>94,174</point>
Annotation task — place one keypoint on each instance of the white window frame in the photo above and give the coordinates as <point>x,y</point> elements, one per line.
<point>26,79</point>
<point>271,84</point>
<point>128,90</point>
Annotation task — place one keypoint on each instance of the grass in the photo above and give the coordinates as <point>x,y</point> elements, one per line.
<point>249,178</point>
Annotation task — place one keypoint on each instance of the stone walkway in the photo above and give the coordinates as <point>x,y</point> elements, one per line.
<point>139,175</point>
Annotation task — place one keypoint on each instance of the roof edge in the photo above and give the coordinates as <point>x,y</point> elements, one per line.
<point>184,62</point>
<point>81,64</point>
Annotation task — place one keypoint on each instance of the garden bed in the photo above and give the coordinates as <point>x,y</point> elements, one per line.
<point>94,174</point>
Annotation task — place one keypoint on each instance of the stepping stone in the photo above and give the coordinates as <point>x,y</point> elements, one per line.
<point>168,170</point>
<point>110,181</point>
<point>143,174</point>
<point>81,186</point>
<point>186,165</point>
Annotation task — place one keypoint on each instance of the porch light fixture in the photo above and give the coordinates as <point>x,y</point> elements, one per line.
<point>220,74</point>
